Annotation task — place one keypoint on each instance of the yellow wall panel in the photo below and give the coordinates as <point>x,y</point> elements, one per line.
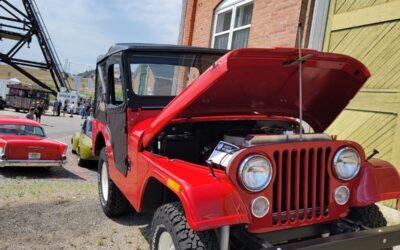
<point>372,117</point>
<point>352,5</point>
<point>371,130</point>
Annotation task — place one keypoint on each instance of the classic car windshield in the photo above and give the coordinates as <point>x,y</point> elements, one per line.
<point>88,129</point>
<point>21,129</point>
<point>166,74</point>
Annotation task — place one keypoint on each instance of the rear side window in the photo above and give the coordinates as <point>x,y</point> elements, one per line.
<point>116,94</point>
<point>100,88</point>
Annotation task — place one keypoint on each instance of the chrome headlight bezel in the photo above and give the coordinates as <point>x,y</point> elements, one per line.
<point>336,161</point>
<point>244,167</point>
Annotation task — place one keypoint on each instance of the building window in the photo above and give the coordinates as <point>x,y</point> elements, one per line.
<point>232,24</point>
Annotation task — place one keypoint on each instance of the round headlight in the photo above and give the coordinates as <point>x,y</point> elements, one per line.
<point>346,163</point>
<point>255,173</point>
<point>342,195</point>
<point>260,206</point>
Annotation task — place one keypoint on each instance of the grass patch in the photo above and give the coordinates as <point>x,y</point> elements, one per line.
<point>18,188</point>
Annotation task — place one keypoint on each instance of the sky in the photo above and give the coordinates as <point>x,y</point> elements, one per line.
<point>81,30</point>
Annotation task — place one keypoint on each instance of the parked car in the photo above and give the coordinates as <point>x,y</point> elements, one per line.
<point>81,143</point>
<point>225,163</point>
<point>23,143</point>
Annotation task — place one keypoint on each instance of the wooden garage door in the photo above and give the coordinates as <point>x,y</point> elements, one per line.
<point>369,30</point>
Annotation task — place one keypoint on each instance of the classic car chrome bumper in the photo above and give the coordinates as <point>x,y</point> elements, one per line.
<point>32,163</point>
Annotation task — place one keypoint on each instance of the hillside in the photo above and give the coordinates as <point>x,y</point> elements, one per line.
<point>7,72</point>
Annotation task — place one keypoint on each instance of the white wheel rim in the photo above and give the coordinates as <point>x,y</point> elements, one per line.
<point>165,242</point>
<point>104,181</point>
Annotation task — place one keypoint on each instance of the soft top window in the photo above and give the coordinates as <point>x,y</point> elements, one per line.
<point>166,74</point>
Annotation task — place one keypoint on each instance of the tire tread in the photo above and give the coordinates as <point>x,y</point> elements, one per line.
<point>174,215</point>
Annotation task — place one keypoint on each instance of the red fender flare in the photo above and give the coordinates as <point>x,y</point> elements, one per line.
<point>209,202</point>
<point>378,181</point>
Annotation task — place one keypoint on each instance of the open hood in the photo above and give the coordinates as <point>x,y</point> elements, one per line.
<point>265,81</point>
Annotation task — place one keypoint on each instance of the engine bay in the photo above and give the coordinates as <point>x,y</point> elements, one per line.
<point>196,141</point>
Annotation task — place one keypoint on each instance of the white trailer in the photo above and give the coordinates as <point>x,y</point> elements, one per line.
<point>71,97</point>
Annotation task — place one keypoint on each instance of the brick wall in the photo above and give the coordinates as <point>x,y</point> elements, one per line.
<point>274,22</point>
<point>198,22</point>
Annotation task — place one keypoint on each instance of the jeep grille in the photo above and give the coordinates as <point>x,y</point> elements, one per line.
<point>301,186</point>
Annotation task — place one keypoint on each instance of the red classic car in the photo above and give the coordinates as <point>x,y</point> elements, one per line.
<point>23,143</point>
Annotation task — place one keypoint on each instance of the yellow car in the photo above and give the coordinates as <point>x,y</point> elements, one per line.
<point>81,143</point>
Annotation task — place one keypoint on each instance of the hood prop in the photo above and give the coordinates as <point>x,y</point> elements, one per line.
<point>299,61</point>
<point>300,35</point>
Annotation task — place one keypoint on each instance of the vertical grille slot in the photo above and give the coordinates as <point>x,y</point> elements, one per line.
<point>301,186</point>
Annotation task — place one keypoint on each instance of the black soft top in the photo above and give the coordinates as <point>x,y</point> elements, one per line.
<point>159,48</point>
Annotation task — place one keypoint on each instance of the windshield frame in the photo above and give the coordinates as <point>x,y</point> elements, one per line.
<point>155,102</point>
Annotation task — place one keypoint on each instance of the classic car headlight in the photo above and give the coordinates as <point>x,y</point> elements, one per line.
<point>1,150</point>
<point>255,173</point>
<point>346,163</point>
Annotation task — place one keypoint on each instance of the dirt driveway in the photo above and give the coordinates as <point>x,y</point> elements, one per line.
<point>63,214</point>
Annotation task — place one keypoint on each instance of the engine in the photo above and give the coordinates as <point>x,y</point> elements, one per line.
<point>217,142</point>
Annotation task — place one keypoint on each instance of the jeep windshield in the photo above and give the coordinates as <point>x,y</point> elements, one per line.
<point>166,74</point>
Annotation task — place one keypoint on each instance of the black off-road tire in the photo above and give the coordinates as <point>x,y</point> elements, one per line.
<point>369,216</point>
<point>116,204</point>
<point>171,218</point>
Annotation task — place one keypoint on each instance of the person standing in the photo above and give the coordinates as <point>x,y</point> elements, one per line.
<point>31,113</point>
<point>87,109</point>
<point>55,108</point>
<point>38,111</point>
<point>59,107</point>
<point>65,107</point>
<point>83,111</point>
<point>72,109</point>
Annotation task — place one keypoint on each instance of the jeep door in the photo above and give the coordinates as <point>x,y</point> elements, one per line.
<point>116,111</point>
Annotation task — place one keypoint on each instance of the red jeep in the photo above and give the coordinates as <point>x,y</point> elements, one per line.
<point>210,140</point>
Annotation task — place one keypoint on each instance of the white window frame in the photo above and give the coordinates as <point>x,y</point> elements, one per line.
<point>233,7</point>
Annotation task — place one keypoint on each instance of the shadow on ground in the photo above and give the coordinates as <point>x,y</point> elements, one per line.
<point>142,221</point>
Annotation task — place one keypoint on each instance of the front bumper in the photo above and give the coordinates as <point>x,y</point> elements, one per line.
<point>32,163</point>
<point>376,238</point>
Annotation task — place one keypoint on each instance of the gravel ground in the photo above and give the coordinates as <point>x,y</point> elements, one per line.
<point>63,214</point>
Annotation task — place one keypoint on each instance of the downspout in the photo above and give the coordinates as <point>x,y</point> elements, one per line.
<point>182,24</point>
<point>318,25</point>
<point>192,20</point>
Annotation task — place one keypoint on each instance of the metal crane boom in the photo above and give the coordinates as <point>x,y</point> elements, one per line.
<point>21,26</point>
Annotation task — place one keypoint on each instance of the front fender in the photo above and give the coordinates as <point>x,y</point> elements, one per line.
<point>86,147</point>
<point>378,181</point>
<point>209,202</point>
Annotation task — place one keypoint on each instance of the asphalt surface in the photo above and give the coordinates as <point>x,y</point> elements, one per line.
<point>59,128</point>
